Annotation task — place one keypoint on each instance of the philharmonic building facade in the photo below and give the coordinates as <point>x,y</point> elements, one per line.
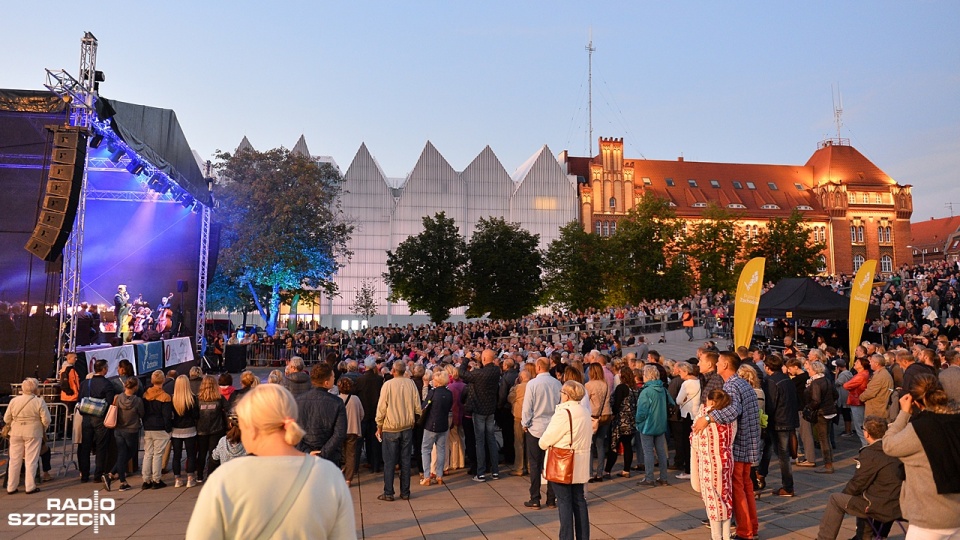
<point>847,202</point>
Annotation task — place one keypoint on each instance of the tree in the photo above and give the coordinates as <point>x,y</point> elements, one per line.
<point>503,275</point>
<point>573,269</point>
<point>427,270</point>
<point>788,248</point>
<point>713,246</point>
<point>365,304</point>
<point>282,230</point>
<point>642,257</point>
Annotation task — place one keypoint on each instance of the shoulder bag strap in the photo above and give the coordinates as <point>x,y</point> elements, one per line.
<point>292,495</point>
<point>20,410</point>
<point>570,418</point>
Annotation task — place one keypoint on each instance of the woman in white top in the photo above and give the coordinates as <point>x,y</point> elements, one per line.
<point>689,401</point>
<point>571,502</point>
<point>29,418</point>
<point>274,493</point>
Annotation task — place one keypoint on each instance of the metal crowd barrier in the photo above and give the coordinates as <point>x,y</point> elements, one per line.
<point>62,454</point>
<point>276,354</point>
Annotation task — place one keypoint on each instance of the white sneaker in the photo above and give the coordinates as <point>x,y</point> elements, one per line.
<point>191,481</point>
<point>178,482</point>
<point>683,476</point>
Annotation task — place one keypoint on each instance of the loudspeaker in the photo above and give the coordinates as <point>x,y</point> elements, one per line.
<point>182,286</point>
<point>62,194</point>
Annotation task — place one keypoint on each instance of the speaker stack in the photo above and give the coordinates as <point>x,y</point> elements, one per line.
<point>62,194</point>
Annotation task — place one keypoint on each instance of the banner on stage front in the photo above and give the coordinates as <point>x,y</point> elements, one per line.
<point>149,357</point>
<point>860,302</point>
<point>177,351</point>
<point>747,301</point>
<point>113,356</point>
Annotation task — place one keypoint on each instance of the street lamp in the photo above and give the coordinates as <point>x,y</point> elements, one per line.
<point>923,254</point>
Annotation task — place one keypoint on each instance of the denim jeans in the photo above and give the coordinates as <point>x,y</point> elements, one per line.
<point>857,414</point>
<point>779,442</point>
<point>127,446</point>
<point>154,443</point>
<point>651,442</point>
<point>572,506</point>
<point>429,439</point>
<point>601,440</point>
<point>484,429</point>
<point>397,447</point>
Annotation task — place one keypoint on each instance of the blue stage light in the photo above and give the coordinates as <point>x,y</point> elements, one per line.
<point>136,167</point>
<point>116,155</point>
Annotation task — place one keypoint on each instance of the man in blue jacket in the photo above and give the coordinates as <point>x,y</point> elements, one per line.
<point>323,416</point>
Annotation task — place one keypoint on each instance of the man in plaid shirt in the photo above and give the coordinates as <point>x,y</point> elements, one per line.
<point>745,410</point>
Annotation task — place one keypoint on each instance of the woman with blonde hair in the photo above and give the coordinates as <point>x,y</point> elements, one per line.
<point>211,424</point>
<point>237,503</point>
<point>28,418</point>
<point>455,435</point>
<point>570,428</point>
<point>275,377</point>
<point>186,411</point>
<point>157,425</point>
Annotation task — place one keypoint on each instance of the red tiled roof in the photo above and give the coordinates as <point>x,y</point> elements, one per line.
<point>933,233</point>
<point>833,162</point>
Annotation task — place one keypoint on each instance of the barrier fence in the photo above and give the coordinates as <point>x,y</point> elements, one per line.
<point>61,448</point>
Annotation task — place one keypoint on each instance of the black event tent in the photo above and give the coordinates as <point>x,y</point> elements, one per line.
<point>804,298</point>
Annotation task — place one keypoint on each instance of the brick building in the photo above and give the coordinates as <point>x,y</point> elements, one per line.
<point>848,203</point>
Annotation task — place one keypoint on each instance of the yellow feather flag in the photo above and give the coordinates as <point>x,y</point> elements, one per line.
<point>860,301</point>
<point>747,301</point>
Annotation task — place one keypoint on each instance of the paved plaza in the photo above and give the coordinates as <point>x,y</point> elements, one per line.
<point>463,509</point>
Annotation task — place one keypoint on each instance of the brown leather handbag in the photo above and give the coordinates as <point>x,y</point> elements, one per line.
<point>559,468</point>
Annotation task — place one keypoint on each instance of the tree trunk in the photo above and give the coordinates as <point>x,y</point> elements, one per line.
<point>272,316</point>
<point>292,320</point>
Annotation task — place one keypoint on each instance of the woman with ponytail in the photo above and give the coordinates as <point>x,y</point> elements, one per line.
<point>273,492</point>
<point>926,438</point>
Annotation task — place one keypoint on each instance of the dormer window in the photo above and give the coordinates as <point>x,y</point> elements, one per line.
<point>769,207</point>
<point>751,185</point>
<point>804,207</point>
<point>736,206</point>
<point>772,186</point>
<point>699,205</point>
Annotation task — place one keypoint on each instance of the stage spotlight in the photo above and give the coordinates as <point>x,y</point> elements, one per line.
<point>136,167</point>
<point>96,141</point>
<point>116,155</point>
<point>186,201</point>
<point>196,207</point>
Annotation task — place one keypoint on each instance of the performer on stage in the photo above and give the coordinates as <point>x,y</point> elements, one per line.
<point>164,303</point>
<point>121,307</point>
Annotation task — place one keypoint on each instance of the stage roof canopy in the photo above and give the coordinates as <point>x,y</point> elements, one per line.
<point>154,133</point>
<point>806,299</point>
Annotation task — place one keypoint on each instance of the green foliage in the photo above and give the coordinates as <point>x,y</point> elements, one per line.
<point>282,228</point>
<point>713,247</point>
<point>503,275</point>
<point>642,257</point>
<point>574,269</point>
<point>788,248</point>
<point>427,270</point>
<point>365,303</point>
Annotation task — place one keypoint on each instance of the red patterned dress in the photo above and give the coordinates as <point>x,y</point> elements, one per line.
<point>711,467</point>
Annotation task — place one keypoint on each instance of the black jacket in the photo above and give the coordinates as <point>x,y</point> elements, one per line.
<point>189,418</point>
<point>821,396</point>
<point>876,483</point>
<point>781,403</point>
<point>157,410</point>
<point>486,387</point>
<point>368,390</point>
<point>213,417</point>
<point>442,403</point>
<point>324,418</point>
<point>97,387</point>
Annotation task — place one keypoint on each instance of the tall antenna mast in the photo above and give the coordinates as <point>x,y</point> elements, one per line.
<point>590,50</point>
<point>837,108</point>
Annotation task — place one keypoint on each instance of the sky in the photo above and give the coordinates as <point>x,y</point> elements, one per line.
<point>739,82</point>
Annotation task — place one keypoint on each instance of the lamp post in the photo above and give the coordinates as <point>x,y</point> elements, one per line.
<point>923,254</point>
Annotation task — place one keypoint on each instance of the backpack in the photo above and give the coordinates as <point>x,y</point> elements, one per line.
<point>65,381</point>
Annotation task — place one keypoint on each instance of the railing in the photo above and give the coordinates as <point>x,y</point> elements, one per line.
<point>62,455</point>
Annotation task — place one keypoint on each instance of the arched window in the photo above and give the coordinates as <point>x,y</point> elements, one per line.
<point>880,234</point>
<point>822,264</point>
<point>598,227</point>
<point>853,235</point>
<point>606,228</point>
<point>613,203</point>
<point>889,235</point>
<point>886,264</point>
<point>613,227</point>
<point>857,262</point>
<point>860,234</point>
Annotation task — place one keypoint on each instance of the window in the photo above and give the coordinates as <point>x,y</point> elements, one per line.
<point>878,199</point>
<point>613,202</point>
<point>857,262</point>
<point>606,228</point>
<point>804,207</point>
<point>866,198</point>
<point>715,184</point>
<point>852,198</point>
<point>860,234</point>
<point>751,185</point>
<point>669,182</point>
<point>598,228</point>
<point>692,182</point>
<point>737,206</point>
<point>769,207</point>
<point>799,186</point>
<point>822,264</point>
<point>671,204</point>
<point>613,227</point>
<point>772,186</point>
<point>699,205</point>
<point>880,235</point>
<point>737,185</point>
<point>886,264</point>
<point>646,181</point>
<point>853,234</point>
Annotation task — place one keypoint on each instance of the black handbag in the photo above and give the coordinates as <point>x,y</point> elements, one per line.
<point>424,413</point>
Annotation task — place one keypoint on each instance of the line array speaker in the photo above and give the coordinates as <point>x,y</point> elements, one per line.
<point>62,194</point>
